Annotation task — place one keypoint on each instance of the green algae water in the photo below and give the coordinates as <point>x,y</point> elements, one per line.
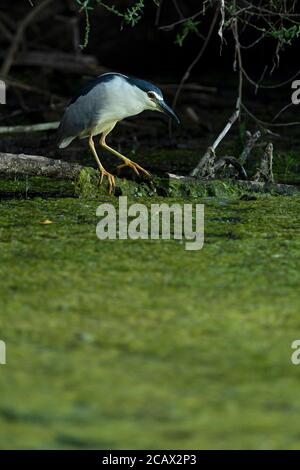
<point>141,344</point>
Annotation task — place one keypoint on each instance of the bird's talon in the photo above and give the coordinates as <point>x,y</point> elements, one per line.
<point>110,178</point>
<point>135,167</point>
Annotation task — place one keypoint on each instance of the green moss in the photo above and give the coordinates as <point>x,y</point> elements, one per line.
<point>32,186</point>
<point>121,344</point>
<point>87,186</point>
<point>181,161</point>
<point>87,183</point>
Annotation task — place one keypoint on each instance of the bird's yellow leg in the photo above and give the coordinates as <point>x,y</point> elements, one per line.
<point>127,162</point>
<point>103,172</point>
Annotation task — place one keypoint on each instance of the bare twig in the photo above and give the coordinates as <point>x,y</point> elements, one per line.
<point>239,61</point>
<point>222,10</point>
<point>171,26</point>
<point>228,126</point>
<point>269,124</point>
<point>265,172</point>
<point>250,143</point>
<point>189,87</point>
<point>207,156</point>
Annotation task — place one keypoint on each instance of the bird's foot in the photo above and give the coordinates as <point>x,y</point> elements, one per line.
<point>136,168</point>
<point>111,180</point>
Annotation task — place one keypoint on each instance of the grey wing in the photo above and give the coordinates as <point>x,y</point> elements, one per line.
<point>80,116</point>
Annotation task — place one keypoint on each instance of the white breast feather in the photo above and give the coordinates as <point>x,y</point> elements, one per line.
<point>122,100</point>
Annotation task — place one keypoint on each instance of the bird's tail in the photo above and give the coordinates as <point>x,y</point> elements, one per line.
<point>65,142</point>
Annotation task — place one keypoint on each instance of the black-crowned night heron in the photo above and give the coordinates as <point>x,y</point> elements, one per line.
<point>100,105</point>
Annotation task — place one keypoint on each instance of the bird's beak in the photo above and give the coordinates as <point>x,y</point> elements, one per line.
<point>164,108</point>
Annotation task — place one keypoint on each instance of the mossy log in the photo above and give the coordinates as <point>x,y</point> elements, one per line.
<point>30,176</point>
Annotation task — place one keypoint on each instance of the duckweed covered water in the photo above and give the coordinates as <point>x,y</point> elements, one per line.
<point>141,344</point>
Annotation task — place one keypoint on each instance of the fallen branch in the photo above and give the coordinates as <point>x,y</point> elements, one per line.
<point>251,186</point>
<point>45,126</point>
<point>12,165</point>
<point>36,165</point>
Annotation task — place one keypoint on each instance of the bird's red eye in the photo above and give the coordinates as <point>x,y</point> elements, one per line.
<point>151,94</point>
